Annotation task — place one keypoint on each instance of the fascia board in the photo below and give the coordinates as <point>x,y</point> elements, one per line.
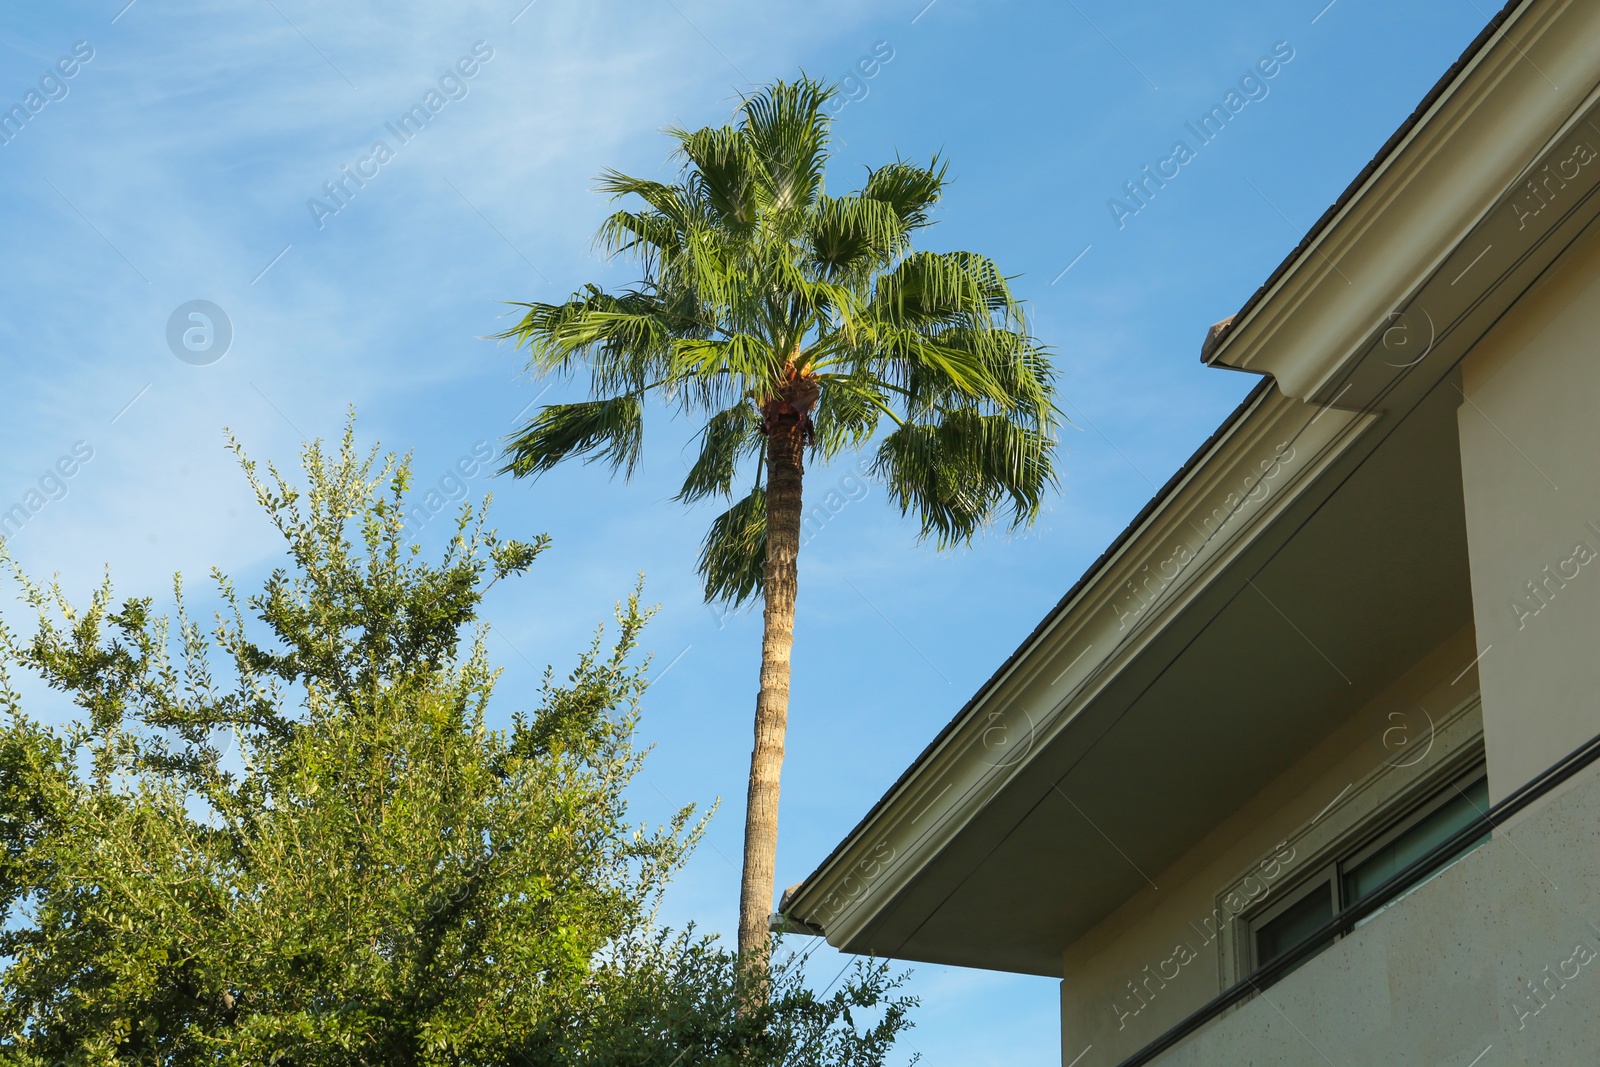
<point>1208,519</point>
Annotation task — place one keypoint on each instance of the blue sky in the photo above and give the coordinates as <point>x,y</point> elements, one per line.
<point>176,164</point>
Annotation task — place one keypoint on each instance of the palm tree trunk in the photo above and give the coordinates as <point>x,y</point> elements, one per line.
<point>785,472</point>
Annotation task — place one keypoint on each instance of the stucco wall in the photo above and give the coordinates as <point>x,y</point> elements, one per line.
<point>1495,962</point>
<point>1530,456</point>
<point>1150,940</point>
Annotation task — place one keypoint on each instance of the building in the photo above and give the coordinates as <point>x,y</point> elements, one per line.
<point>1301,771</point>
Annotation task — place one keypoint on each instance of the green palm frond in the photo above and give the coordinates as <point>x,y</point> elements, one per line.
<point>847,413</point>
<point>646,235</point>
<point>1020,367</point>
<point>953,474</point>
<point>753,279</point>
<point>928,289</point>
<point>787,128</point>
<point>850,236</point>
<point>729,438</point>
<point>723,172</point>
<point>741,357</point>
<point>932,372</point>
<point>610,430</point>
<point>623,338</point>
<point>668,200</point>
<point>733,555</point>
<point>911,191</point>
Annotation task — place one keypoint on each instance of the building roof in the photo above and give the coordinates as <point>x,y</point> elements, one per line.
<point>970,860</point>
<point>1216,336</point>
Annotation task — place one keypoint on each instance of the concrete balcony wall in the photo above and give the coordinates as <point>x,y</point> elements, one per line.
<point>1500,952</point>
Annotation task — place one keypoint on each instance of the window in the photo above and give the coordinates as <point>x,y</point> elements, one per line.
<point>1456,806</point>
<point>1294,920</point>
<point>1299,913</point>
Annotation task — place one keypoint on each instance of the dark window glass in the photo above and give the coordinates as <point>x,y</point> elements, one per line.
<point>1294,924</point>
<point>1417,840</point>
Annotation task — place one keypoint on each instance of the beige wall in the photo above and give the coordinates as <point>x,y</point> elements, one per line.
<point>1530,458</point>
<point>1161,941</point>
<point>1494,963</point>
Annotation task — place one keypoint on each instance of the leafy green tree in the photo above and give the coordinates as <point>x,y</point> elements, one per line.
<point>793,321</point>
<point>291,837</point>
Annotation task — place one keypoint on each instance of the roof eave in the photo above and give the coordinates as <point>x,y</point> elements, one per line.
<point>1411,204</point>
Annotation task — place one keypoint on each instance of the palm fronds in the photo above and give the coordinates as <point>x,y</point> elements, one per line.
<point>756,281</point>
<point>612,430</point>
<point>733,555</point>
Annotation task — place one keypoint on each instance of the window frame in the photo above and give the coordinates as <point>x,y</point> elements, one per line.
<point>1447,791</point>
<point>1443,747</point>
<point>1327,879</point>
<point>1360,844</point>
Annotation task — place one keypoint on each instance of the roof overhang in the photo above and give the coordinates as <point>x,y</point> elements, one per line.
<point>1494,154</point>
<point>1223,641</point>
<point>992,849</point>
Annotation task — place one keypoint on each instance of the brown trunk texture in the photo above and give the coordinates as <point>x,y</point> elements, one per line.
<point>785,454</point>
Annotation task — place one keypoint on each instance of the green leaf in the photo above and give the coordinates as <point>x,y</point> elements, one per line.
<point>733,555</point>
<point>612,430</point>
<point>911,191</point>
<point>728,438</point>
<point>953,474</point>
<point>847,412</point>
<point>853,235</point>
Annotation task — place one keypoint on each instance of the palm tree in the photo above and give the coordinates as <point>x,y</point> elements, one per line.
<point>794,323</point>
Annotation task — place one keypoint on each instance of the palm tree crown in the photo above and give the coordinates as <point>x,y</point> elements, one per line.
<point>793,321</point>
